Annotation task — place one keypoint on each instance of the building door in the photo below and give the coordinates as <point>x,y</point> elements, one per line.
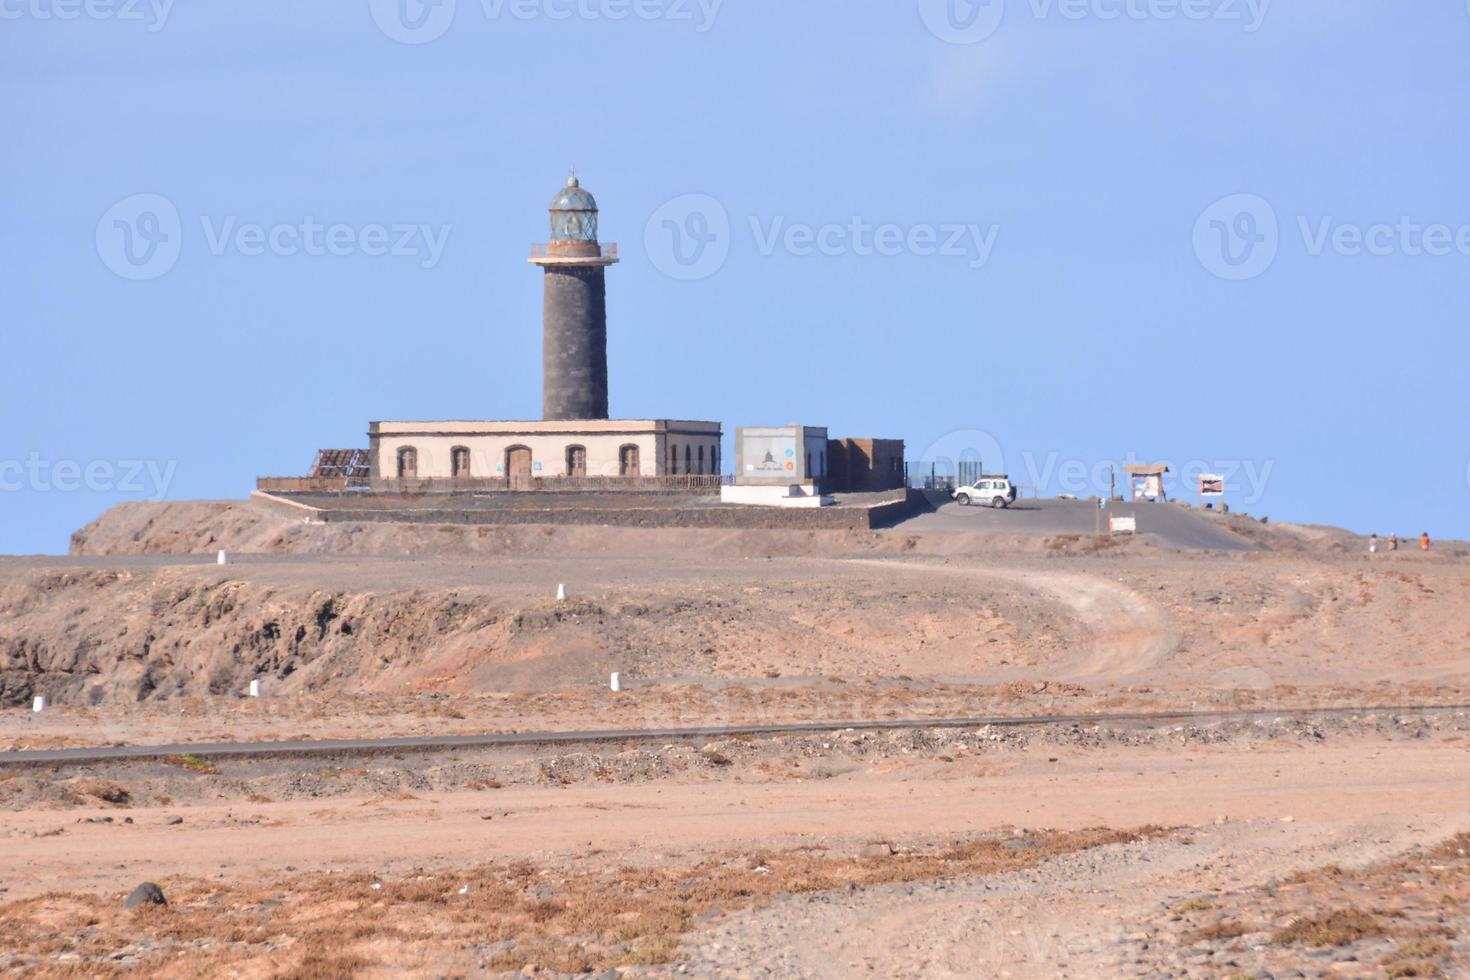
<point>518,467</point>
<point>577,461</point>
<point>628,461</point>
<point>459,458</point>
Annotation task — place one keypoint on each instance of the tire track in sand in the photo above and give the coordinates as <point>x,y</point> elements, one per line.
<point>1128,634</point>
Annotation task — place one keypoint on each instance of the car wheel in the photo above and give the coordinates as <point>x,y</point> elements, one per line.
<point>963,500</point>
<point>998,503</point>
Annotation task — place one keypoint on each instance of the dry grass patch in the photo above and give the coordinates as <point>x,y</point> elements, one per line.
<point>1224,929</point>
<point>494,917</point>
<point>104,790</point>
<point>1404,914</point>
<point>193,763</point>
<point>1338,927</point>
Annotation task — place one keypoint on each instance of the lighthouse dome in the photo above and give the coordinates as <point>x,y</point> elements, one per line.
<point>573,197</point>
<point>573,214</point>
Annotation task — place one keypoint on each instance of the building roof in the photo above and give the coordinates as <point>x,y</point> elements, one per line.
<point>502,427</point>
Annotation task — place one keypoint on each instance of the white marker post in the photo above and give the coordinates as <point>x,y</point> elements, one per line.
<point>38,705</point>
<point>255,688</point>
<point>561,593</point>
<point>223,558</point>
<point>616,683</point>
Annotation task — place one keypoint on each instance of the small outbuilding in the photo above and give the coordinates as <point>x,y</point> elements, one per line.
<point>865,465</point>
<point>1148,481</point>
<point>781,466</point>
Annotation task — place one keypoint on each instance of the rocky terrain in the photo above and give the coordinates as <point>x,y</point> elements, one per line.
<point>1309,823</point>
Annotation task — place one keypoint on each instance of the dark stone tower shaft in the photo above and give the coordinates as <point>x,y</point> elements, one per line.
<point>574,312</point>
<point>574,343</point>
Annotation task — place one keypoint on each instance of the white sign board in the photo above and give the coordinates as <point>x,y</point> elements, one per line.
<point>769,457</point>
<point>1148,487</point>
<point>1211,485</point>
<point>1119,525</point>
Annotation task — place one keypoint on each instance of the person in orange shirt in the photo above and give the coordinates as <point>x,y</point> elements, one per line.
<point>1424,541</point>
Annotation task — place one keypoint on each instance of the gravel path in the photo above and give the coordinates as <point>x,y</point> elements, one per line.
<point>1078,916</point>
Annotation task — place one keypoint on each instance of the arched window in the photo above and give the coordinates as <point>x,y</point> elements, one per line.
<point>408,463</point>
<point>576,461</point>
<point>808,464</point>
<point>628,461</point>
<point>701,461</point>
<point>673,460</point>
<point>714,460</point>
<point>688,458</point>
<point>459,462</point>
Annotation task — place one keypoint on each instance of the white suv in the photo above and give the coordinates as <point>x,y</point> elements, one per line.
<point>997,491</point>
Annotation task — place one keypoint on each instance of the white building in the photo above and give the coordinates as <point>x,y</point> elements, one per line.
<point>545,455</point>
<point>779,466</point>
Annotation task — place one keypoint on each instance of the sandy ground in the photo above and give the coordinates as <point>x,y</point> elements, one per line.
<point>924,852</point>
<point>1254,809</point>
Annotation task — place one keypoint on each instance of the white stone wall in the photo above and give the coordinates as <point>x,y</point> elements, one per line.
<point>488,450</point>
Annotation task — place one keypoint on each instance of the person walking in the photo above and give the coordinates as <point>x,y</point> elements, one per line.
<point>1424,541</point>
<point>1372,544</point>
<point>1393,542</point>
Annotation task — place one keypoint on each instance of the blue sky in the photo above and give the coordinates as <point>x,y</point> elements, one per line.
<point>1057,232</point>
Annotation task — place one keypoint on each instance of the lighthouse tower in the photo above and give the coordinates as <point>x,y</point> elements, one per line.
<point>574,309</point>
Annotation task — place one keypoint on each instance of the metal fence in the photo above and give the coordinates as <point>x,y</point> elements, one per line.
<point>927,475</point>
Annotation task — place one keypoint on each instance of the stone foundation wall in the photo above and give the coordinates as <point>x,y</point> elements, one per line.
<point>853,517</point>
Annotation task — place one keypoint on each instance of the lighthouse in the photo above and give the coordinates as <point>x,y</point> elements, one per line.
<point>574,309</point>
<point>576,446</point>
